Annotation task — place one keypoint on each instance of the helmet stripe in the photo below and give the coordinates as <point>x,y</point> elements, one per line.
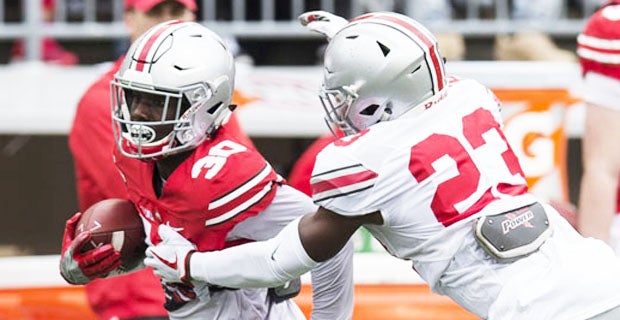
<point>148,44</point>
<point>428,44</point>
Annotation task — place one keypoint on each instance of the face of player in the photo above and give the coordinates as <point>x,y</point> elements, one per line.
<point>148,107</point>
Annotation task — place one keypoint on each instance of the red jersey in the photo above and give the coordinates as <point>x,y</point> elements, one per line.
<point>91,143</point>
<point>222,183</point>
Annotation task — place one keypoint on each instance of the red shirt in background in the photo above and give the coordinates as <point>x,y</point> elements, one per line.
<point>301,172</point>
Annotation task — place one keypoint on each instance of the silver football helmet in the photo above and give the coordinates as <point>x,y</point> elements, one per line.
<point>378,67</point>
<point>185,72</point>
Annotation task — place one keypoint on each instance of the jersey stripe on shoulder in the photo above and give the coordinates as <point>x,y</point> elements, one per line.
<point>341,181</point>
<point>237,201</point>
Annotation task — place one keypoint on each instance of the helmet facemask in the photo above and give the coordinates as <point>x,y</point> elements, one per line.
<point>175,129</point>
<point>339,104</point>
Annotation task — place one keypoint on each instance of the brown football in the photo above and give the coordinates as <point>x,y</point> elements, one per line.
<point>115,221</point>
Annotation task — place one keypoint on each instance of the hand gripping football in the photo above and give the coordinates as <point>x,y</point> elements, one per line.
<point>115,221</point>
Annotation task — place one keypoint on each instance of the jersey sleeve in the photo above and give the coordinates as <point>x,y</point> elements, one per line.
<point>342,183</point>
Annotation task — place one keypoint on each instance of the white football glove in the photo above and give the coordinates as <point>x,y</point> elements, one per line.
<point>323,22</point>
<point>170,258</point>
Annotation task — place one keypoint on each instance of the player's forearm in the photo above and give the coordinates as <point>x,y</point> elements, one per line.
<point>258,264</point>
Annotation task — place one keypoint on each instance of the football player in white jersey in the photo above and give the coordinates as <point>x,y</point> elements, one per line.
<point>425,167</point>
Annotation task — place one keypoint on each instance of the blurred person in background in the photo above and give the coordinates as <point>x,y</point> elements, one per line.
<point>299,177</point>
<point>51,50</point>
<point>533,43</point>
<point>425,167</point>
<point>91,142</point>
<point>182,168</point>
<point>598,48</point>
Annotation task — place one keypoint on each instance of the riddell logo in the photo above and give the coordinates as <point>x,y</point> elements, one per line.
<point>516,220</point>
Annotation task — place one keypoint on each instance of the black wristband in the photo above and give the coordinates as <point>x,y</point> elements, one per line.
<point>188,277</point>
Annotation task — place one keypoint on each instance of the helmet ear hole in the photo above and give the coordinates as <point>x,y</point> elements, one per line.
<point>370,110</point>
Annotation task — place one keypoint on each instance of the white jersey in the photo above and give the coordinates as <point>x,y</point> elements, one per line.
<point>430,173</point>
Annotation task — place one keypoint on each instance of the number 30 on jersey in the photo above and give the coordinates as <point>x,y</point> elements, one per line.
<point>216,159</point>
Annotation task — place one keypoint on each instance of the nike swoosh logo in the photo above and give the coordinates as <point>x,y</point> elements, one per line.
<point>171,264</point>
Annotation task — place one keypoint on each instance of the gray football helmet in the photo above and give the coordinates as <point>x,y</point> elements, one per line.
<point>378,67</point>
<point>189,72</point>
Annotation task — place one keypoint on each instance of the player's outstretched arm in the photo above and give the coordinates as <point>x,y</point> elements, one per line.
<point>258,264</point>
<point>294,251</point>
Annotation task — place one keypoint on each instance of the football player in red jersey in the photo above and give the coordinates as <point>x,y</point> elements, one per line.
<point>426,169</point>
<point>91,143</point>
<point>183,168</point>
<point>598,48</point>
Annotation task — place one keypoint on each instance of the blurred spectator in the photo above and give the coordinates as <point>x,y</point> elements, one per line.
<point>51,50</point>
<point>532,44</point>
<point>299,178</point>
<point>122,45</point>
<point>598,48</point>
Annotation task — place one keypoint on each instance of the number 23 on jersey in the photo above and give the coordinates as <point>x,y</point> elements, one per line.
<point>484,152</point>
